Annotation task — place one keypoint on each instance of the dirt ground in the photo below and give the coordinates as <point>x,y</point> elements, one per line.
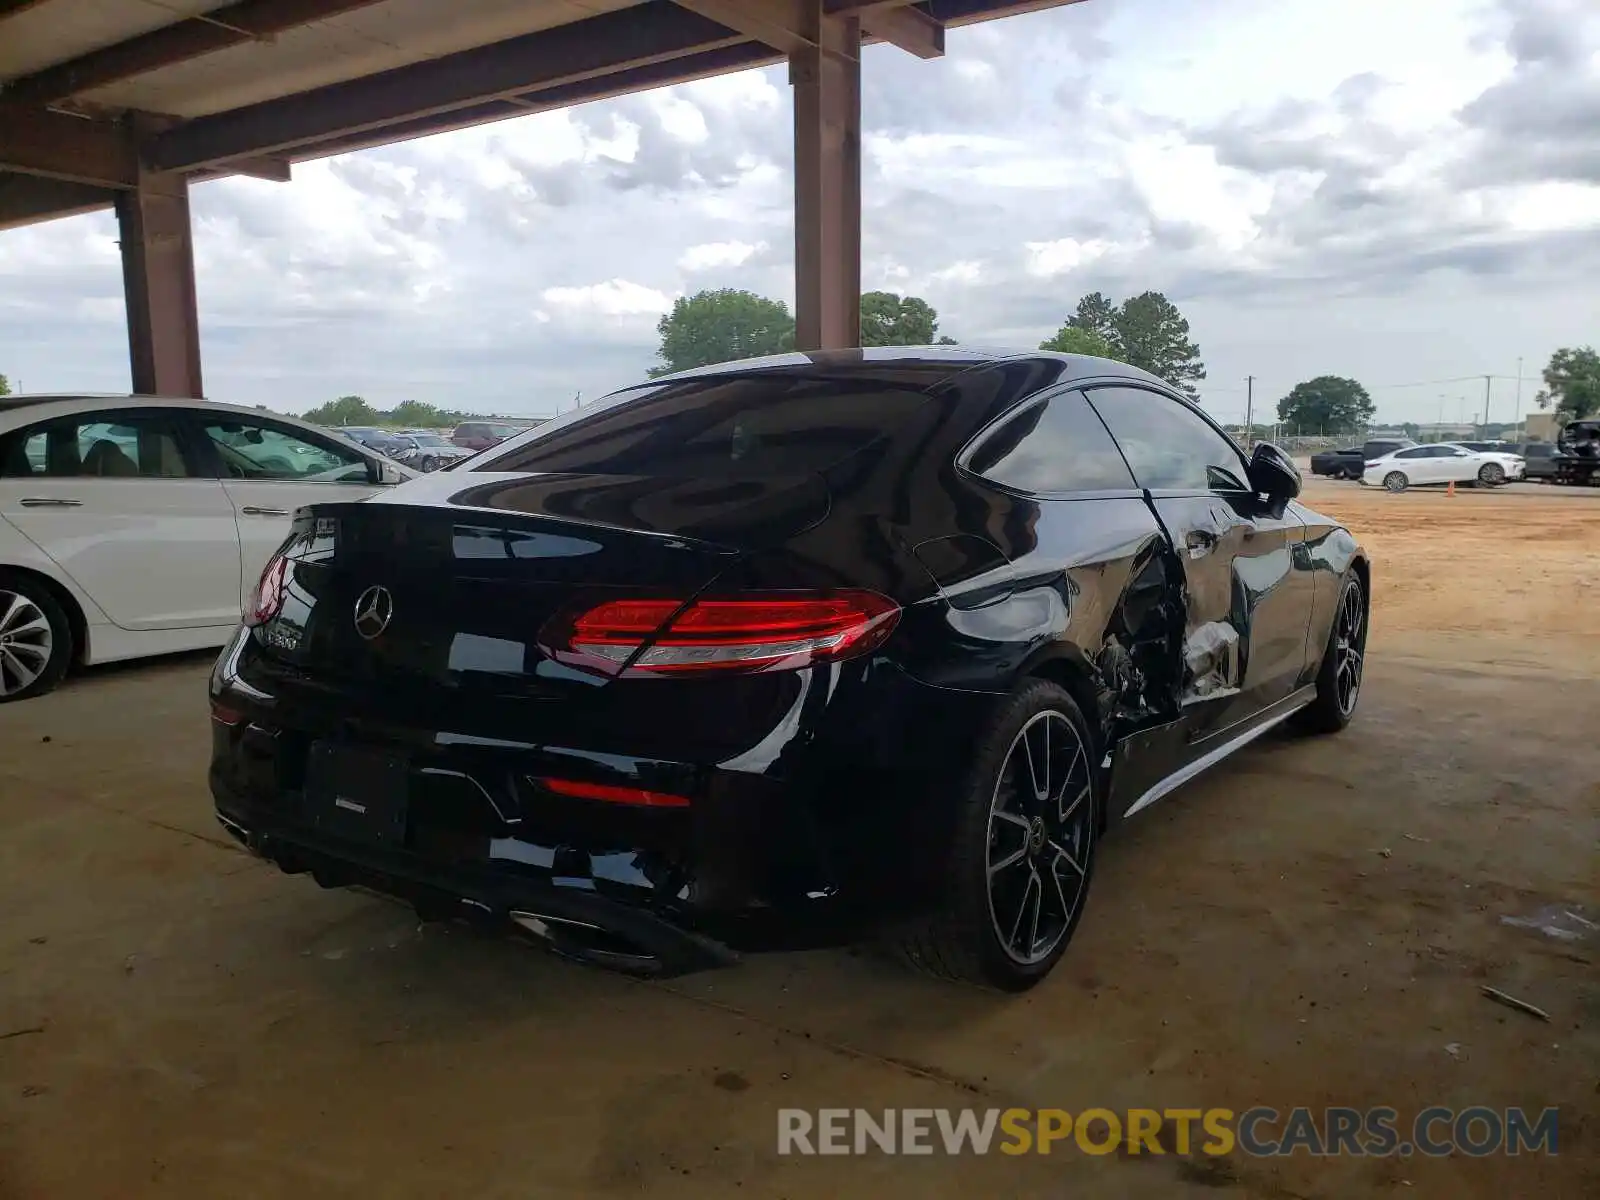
<point>1307,925</point>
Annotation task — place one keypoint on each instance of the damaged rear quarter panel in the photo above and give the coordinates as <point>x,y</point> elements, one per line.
<point>1087,591</point>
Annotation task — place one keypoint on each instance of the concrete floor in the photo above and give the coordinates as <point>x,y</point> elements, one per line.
<point>1307,925</point>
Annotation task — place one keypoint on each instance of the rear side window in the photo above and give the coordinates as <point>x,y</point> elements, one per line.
<point>1053,445</point>
<point>1168,444</point>
<point>124,445</point>
<point>721,426</point>
<point>1537,450</point>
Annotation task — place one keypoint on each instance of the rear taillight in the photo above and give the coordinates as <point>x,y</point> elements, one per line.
<point>766,632</point>
<point>611,794</point>
<point>269,592</point>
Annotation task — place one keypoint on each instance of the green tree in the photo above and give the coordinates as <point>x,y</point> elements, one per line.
<point>5,386</point>
<point>346,410</point>
<point>1097,315</point>
<point>1152,334</point>
<point>1074,339</point>
<point>1145,331</point>
<point>1572,382</point>
<point>1327,404</point>
<point>414,414</point>
<point>722,326</point>
<point>891,320</point>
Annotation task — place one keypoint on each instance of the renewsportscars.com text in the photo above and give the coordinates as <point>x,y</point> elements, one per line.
<point>1259,1132</point>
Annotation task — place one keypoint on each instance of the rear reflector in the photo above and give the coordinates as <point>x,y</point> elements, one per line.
<point>223,715</point>
<point>639,797</point>
<point>766,632</point>
<point>269,592</point>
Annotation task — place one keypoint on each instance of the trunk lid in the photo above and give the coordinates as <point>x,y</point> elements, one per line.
<point>448,581</point>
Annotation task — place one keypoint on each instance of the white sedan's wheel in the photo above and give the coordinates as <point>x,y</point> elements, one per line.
<point>1396,481</point>
<point>35,639</point>
<point>1491,474</point>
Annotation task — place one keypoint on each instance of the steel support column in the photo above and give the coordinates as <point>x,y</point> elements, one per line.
<point>827,182</point>
<point>158,281</point>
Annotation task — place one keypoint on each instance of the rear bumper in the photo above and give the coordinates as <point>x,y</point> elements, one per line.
<point>832,815</point>
<point>580,923</point>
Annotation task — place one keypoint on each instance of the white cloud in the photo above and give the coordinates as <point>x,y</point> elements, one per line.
<point>1399,192</point>
<point>1063,255</point>
<point>612,298</point>
<point>711,255</point>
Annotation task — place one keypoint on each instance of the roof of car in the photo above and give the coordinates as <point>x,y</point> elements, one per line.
<point>889,358</point>
<point>13,403</point>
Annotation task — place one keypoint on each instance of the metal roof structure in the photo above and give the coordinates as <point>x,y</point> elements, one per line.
<point>124,102</point>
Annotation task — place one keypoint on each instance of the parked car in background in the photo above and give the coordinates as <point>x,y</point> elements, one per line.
<point>1351,462</point>
<point>1577,457</point>
<point>1539,458</point>
<point>424,450</point>
<point>1442,462</point>
<point>480,435</point>
<point>895,631</point>
<point>384,441</point>
<point>133,525</point>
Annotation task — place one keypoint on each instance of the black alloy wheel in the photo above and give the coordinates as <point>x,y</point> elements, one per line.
<point>1022,854</point>
<point>1343,664</point>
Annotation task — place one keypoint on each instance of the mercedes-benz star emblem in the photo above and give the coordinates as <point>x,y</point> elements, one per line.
<point>374,611</point>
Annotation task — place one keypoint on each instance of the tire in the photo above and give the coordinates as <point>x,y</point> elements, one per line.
<point>1343,661</point>
<point>35,639</point>
<point>1491,474</point>
<point>1351,474</point>
<point>1396,481</point>
<point>1015,848</point>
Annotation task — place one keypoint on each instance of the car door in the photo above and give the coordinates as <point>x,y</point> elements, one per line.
<point>268,469</point>
<point>1414,462</point>
<point>1456,465</point>
<point>1248,606</point>
<point>121,502</point>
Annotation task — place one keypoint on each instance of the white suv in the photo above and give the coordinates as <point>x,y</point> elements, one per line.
<point>134,525</point>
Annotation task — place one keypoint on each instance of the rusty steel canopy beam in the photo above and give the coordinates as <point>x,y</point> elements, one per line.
<point>782,24</point>
<point>776,23</point>
<point>827,185</point>
<point>587,49</point>
<point>707,63</point>
<point>911,29</point>
<point>35,141</point>
<point>25,199</point>
<point>157,241</point>
<point>192,37</point>
<point>10,8</point>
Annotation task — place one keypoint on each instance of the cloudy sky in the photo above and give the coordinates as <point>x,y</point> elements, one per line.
<point>1404,192</point>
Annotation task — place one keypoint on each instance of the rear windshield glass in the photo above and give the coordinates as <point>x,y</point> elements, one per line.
<point>721,426</point>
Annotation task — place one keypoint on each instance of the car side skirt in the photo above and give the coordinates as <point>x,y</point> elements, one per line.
<point>1222,744</point>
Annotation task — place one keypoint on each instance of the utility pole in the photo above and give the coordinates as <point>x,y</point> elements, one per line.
<point>1486,386</point>
<point>1516,413</point>
<point>1249,408</point>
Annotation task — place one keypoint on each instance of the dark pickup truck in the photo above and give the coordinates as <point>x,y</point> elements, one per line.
<point>1349,464</point>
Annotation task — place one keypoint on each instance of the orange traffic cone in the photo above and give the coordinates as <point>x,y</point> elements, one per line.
<point>1450,488</point>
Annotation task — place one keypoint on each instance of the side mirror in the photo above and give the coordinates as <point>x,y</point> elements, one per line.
<point>385,473</point>
<point>1273,474</point>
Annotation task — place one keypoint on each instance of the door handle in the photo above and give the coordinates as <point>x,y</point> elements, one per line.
<point>1200,542</point>
<point>250,510</point>
<point>49,502</point>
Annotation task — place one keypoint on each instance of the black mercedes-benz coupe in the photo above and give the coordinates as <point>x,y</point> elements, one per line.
<point>893,634</point>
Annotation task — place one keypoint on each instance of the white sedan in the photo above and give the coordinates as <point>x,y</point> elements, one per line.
<point>1443,462</point>
<point>131,525</point>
